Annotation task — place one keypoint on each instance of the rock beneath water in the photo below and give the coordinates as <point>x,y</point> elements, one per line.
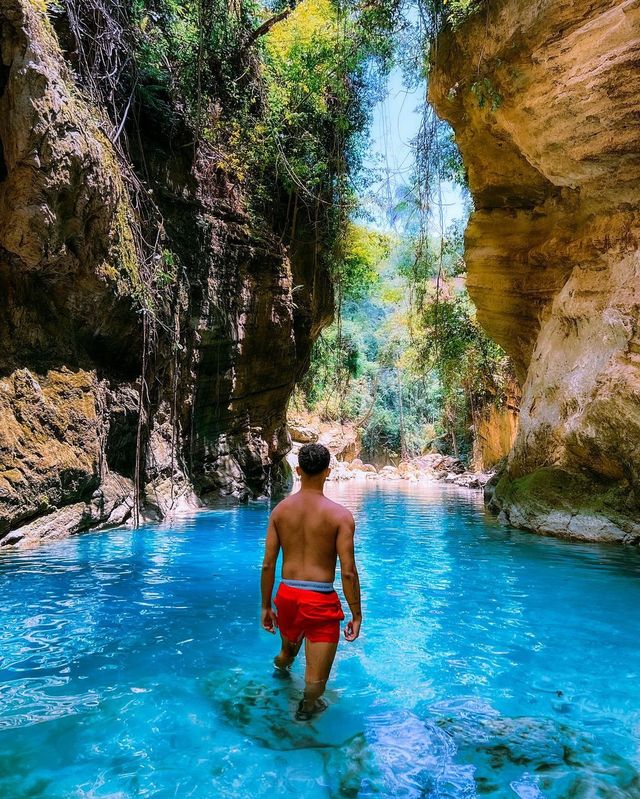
<point>263,709</point>
<point>413,757</point>
<point>394,754</point>
<point>565,762</point>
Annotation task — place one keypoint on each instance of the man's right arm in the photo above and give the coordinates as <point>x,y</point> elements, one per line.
<point>349,573</point>
<point>267,579</point>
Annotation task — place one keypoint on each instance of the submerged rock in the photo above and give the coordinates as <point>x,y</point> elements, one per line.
<point>393,754</point>
<point>565,762</point>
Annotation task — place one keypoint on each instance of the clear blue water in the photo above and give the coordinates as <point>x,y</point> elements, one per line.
<point>492,663</point>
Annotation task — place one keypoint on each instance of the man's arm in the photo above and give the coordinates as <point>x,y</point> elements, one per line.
<point>267,579</point>
<point>349,573</point>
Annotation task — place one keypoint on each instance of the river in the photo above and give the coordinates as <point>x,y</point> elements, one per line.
<point>492,663</point>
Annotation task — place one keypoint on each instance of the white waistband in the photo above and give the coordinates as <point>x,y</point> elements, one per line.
<point>309,585</point>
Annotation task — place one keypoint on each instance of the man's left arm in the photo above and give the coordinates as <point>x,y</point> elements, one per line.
<point>271,550</point>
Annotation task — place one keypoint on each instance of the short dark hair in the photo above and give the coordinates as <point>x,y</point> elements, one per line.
<point>313,458</point>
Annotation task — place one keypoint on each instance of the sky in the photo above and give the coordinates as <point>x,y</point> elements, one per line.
<point>396,120</point>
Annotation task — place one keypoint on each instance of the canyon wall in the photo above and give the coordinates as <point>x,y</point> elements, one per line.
<point>99,398</point>
<point>494,431</point>
<point>543,98</point>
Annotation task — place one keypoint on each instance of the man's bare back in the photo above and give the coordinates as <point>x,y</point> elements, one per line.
<point>313,533</point>
<point>308,526</point>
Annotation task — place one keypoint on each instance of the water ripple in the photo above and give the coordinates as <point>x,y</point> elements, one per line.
<point>492,663</point>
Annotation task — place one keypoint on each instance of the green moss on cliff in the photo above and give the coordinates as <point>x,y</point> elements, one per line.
<point>123,269</point>
<point>555,488</point>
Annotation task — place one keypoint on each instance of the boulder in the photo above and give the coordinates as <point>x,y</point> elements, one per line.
<point>302,434</point>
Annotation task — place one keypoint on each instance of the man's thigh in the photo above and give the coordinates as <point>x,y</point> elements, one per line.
<point>319,657</point>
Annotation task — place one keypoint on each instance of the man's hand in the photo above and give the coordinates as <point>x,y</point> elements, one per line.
<point>269,620</point>
<point>352,630</point>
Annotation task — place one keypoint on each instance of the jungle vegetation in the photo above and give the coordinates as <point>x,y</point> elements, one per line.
<point>406,360</point>
<point>276,97</point>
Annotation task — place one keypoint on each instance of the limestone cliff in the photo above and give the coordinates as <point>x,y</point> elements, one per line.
<point>543,97</point>
<point>494,431</point>
<point>79,426</point>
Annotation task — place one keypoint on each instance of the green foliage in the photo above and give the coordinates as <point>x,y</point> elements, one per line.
<point>361,251</point>
<point>408,359</point>
<point>455,12</point>
<point>191,55</point>
<point>360,367</point>
<point>281,95</point>
<point>277,99</point>
<point>323,69</point>
<point>486,94</point>
<point>451,167</point>
<point>472,370</point>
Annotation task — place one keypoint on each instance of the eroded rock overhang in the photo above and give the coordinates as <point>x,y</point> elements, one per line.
<point>544,101</point>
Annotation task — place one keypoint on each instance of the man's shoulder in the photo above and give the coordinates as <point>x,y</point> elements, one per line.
<point>281,506</point>
<point>339,511</point>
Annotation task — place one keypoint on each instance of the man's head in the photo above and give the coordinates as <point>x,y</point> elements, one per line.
<point>313,461</point>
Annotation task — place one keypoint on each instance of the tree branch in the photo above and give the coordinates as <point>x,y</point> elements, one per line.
<point>266,26</point>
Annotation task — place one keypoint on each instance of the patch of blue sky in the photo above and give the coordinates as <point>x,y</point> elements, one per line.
<point>391,161</point>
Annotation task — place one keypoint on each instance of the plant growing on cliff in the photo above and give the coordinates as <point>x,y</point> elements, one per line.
<point>486,93</point>
<point>472,370</point>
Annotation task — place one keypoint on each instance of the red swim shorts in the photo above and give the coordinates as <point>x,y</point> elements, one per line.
<point>313,615</point>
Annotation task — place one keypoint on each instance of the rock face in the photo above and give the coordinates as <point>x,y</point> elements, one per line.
<point>77,427</point>
<point>543,98</point>
<point>67,273</point>
<point>493,435</point>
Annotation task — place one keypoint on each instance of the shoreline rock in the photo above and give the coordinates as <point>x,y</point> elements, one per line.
<point>425,468</point>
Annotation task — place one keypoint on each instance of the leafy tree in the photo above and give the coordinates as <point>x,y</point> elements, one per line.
<point>408,361</point>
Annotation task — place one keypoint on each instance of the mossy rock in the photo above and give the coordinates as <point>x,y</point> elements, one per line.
<point>555,501</point>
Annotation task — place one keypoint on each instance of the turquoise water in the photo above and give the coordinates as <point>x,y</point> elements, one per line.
<point>492,663</point>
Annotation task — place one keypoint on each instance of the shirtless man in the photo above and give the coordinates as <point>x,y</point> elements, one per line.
<point>313,532</point>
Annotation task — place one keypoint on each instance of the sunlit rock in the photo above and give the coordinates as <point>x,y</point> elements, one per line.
<point>543,97</point>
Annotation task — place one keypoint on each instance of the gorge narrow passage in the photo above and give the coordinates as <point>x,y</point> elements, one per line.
<point>405,229</point>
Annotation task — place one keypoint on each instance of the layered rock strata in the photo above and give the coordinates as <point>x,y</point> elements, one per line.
<point>78,425</point>
<point>544,101</point>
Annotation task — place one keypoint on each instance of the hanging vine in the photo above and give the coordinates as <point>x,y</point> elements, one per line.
<point>100,41</point>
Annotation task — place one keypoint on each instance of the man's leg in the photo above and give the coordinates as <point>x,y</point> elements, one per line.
<point>287,653</point>
<point>319,657</point>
